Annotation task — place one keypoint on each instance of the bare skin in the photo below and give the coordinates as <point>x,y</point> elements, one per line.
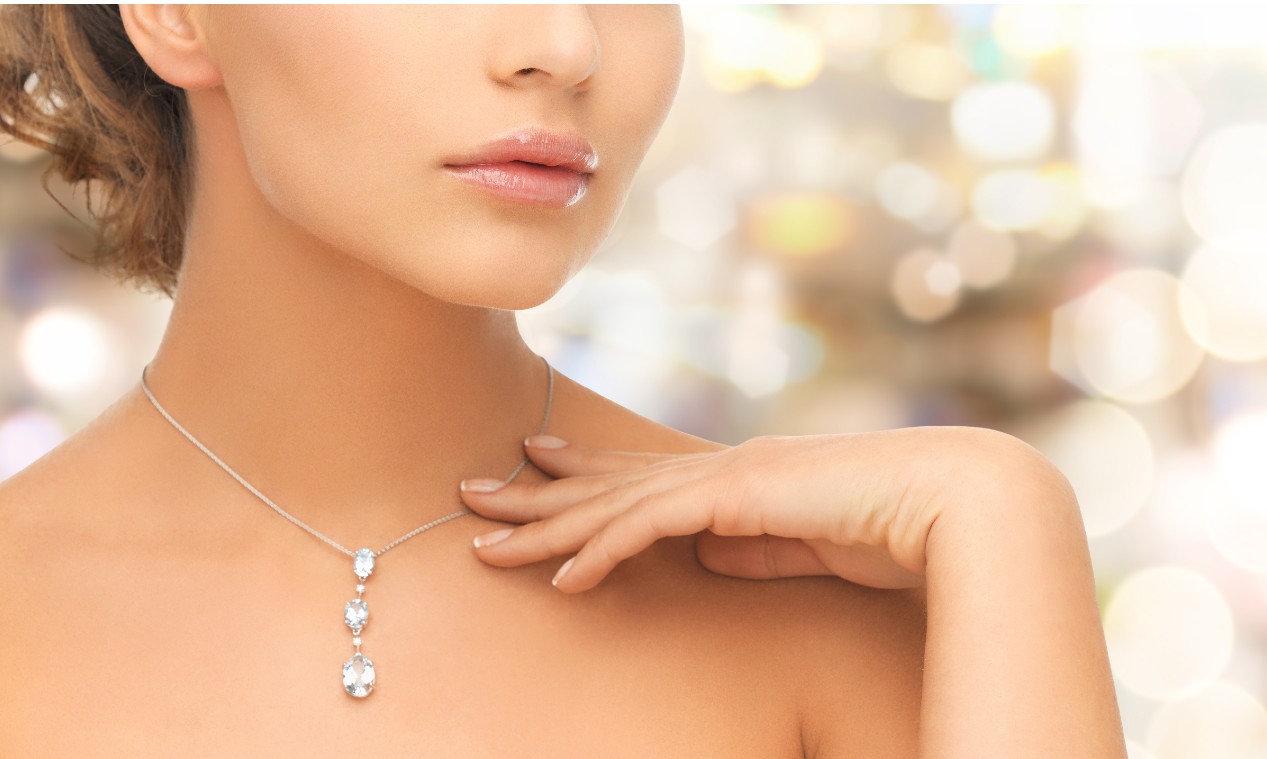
<point>344,337</point>
<point>173,613</point>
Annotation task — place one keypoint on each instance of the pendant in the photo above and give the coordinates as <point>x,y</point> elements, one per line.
<point>358,671</point>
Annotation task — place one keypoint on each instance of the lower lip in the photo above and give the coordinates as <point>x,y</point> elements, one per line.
<point>526,182</point>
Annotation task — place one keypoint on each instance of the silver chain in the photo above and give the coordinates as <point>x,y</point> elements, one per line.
<point>544,423</point>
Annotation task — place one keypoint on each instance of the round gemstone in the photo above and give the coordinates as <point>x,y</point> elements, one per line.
<point>358,675</point>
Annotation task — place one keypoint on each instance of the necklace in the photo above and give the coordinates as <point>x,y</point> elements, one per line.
<point>359,673</point>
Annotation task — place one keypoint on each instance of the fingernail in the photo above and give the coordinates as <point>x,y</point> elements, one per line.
<point>481,485</point>
<point>562,571</point>
<point>545,441</point>
<point>489,538</point>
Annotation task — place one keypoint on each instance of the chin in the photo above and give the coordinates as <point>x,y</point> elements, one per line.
<point>509,291</point>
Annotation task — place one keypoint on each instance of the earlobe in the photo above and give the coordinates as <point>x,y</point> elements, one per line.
<point>170,39</point>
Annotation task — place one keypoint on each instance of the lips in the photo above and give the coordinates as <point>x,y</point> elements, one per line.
<point>532,166</point>
<point>533,145</point>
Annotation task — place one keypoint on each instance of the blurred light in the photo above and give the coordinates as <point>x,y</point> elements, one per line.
<point>943,278</point>
<point>1236,529</point>
<point>735,47</point>
<point>1147,224</point>
<point>64,350</point>
<point>635,316</point>
<point>1133,121</point>
<point>1222,721</point>
<point>26,436</point>
<point>1003,121</point>
<point>1224,303</point>
<point>1035,30</point>
<point>1012,200</point>
<point>1225,183</point>
<point>47,104</point>
<point>701,338</point>
<point>853,33</point>
<point>1236,519</point>
<point>1067,212</point>
<point>758,365</point>
<point>1125,337</point>
<point>1105,453</point>
<point>804,347</point>
<point>800,224</point>
<point>1138,29</point>
<point>1169,633</point>
<point>1180,497</point>
<point>750,44</point>
<point>695,207</point>
<point>984,256</point>
<point>1136,751</point>
<point>925,70</point>
<point>1237,449</point>
<point>913,288</point>
<point>907,190</point>
<point>796,57</point>
<point>705,337</point>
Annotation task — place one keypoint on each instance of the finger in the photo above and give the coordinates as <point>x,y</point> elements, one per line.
<point>568,530</point>
<point>573,459</point>
<point>683,510</point>
<point>758,557</point>
<point>531,501</point>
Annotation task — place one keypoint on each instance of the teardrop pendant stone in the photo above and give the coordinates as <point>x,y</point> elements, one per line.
<point>358,675</point>
<point>355,614</point>
<point>363,564</point>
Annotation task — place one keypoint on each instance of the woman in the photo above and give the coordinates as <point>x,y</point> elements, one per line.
<point>353,202</point>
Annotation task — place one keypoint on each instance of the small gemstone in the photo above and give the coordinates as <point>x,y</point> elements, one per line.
<point>363,565</point>
<point>358,675</point>
<point>355,614</point>
<point>360,588</point>
<point>356,641</point>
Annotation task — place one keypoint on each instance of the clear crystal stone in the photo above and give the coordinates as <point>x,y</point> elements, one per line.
<point>356,641</point>
<point>363,564</point>
<point>355,614</point>
<point>360,588</point>
<point>358,675</point>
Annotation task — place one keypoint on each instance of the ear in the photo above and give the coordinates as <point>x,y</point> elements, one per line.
<point>173,41</point>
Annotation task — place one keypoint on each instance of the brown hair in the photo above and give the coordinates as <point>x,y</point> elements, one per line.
<point>72,83</point>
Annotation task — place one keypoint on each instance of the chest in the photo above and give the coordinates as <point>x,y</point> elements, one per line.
<point>170,656</point>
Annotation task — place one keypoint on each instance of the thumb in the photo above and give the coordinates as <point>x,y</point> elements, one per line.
<point>757,557</point>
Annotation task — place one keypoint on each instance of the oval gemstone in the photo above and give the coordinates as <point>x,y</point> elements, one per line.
<point>358,675</point>
<point>363,564</point>
<point>355,614</point>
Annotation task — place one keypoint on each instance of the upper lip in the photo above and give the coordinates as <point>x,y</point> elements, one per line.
<point>533,145</point>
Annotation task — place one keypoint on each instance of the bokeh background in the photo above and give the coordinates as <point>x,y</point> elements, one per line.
<point>1047,220</point>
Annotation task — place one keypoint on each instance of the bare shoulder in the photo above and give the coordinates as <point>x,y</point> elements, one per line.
<point>850,657</point>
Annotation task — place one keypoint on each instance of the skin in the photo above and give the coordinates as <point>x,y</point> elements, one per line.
<point>326,246</point>
<point>328,264</point>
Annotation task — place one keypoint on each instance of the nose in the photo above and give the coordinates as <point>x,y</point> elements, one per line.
<point>545,46</point>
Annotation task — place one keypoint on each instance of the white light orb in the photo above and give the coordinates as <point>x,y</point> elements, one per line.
<point>1169,632</point>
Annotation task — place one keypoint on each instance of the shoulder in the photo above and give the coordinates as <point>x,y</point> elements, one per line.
<point>848,659</point>
<point>53,502</point>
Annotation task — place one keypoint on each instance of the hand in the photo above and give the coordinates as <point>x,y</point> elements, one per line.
<point>859,506</point>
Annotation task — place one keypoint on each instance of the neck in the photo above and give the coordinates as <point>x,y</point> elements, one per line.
<point>352,400</point>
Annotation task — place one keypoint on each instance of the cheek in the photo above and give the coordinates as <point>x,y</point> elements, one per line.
<point>353,162</point>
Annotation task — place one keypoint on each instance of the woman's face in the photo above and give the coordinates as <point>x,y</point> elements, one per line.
<point>346,116</point>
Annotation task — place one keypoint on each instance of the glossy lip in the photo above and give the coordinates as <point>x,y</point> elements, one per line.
<point>545,186</point>
<point>533,145</point>
<point>532,165</point>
